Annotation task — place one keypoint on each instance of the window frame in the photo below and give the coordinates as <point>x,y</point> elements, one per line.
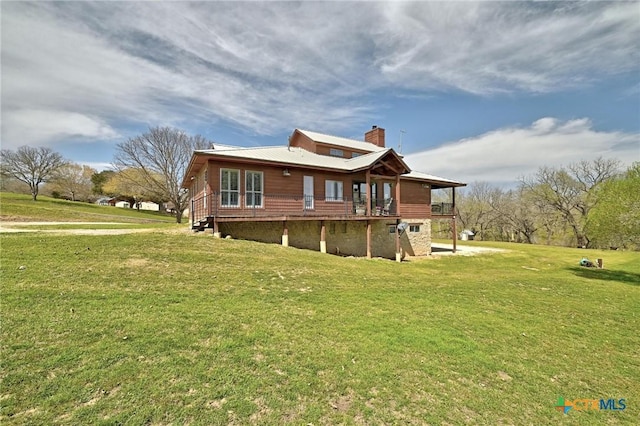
<point>229,190</point>
<point>253,192</point>
<point>337,191</point>
<point>414,228</point>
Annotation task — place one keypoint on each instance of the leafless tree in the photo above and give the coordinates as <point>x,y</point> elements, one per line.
<point>32,166</point>
<point>162,155</point>
<point>73,180</point>
<point>572,192</point>
<point>474,208</point>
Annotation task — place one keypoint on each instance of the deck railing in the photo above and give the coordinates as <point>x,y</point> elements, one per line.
<point>442,209</point>
<point>253,205</point>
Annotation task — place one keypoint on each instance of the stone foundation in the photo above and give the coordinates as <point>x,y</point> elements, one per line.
<point>342,237</point>
<point>417,242</point>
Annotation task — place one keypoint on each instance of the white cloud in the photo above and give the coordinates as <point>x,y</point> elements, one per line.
<point>42,127</point>
<point>489,47</point>
<point>504,155</point>
<point>268,67</point>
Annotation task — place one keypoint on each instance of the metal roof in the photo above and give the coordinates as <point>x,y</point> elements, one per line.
<point>431,178</point>
<point>300,157</point>
<point>296,156</point>
<point>343,142</point>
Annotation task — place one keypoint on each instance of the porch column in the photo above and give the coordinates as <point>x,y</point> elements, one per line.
<point>368,182</point>
<point>397,195</point>
<point>368,239</point>
<point>453,219</point>
<point>285,234</point>
<point>216,230</point>
<point>323,237</point>
<point>398,251</point>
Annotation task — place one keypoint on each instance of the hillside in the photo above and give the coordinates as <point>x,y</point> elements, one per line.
<point>176,328</point>
<point>20,207</point>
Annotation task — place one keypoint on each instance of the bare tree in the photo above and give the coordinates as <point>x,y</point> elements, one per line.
<point>32,166</point>
<point>572,192</point>
<point>474,208</point>
<point>162,155</point>
<point>74,180</point>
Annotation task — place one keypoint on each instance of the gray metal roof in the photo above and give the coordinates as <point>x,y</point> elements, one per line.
<point>424,176</point>
<point>295,156</point>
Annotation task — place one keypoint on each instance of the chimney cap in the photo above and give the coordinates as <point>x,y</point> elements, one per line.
<point>374,127</point>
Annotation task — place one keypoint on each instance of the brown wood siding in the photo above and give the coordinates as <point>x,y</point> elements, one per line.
<point>302,141</point>
<point>285,193</point>
<point>276,183</point>
<point>415,201</point>
<point>326,150</point>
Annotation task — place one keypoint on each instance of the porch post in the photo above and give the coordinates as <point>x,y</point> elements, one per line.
<point>323,237</point>
<point>193,213</point>
<point>216,231</point>
<point>453,224</point>
<point>368,239</point>
<point>397,195</point>
<point>398,251</point>
<point>285,234</point>
<point>368,182</point>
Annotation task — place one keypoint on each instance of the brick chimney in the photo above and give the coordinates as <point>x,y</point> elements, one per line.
<point>375,136</point>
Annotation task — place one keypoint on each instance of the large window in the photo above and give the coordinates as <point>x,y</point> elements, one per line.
<point>333,190</point>
<point>253,189</point>
<point>229,188</point>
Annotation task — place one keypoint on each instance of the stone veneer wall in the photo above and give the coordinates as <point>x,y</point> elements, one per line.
<point>342,237</point>
<point>417,243</point>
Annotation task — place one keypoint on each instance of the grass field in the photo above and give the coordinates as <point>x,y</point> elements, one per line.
<point>170,327</point>
<point>20,207</point>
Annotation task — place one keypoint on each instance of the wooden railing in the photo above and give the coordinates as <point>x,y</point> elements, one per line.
<point>442,209</point>
<point>264,205</point>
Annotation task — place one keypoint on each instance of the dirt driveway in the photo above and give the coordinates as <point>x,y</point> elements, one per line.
<point>442,249</point>
<point>15,227</point>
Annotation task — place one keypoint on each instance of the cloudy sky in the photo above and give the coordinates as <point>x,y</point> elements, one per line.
<point>478,91</point>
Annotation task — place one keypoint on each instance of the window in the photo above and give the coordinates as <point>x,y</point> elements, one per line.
<point>336,152</point>
<point>355,154</point>
<point>392,229</point>
<point>333,190</point>
<point>387,189</point>
<point>229,188</point>
<point>414,228</point>
<point>253,189</point>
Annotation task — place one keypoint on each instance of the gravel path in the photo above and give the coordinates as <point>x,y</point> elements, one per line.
<point>14,227</point>
<point>441,249</point>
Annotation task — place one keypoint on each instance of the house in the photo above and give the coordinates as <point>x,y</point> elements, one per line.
<point>106,201</point>
<point>323,192</point>
<point>141,205</point>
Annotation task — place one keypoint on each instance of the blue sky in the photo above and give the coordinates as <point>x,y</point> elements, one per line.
<point>484,91</point>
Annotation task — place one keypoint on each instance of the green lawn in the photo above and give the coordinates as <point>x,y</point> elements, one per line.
<point>180,328</point>
<point>20,207</point>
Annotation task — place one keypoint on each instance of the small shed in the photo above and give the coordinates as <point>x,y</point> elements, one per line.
<point>467,235</point>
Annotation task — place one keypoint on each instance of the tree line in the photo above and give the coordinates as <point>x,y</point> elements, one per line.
<point>591,204</point>
<point>148,167</point>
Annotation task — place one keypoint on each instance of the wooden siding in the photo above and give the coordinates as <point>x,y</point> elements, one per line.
<point>278,184</point>
<point>415,200</point>
<point>302,141</point>
<point>285,194</point>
